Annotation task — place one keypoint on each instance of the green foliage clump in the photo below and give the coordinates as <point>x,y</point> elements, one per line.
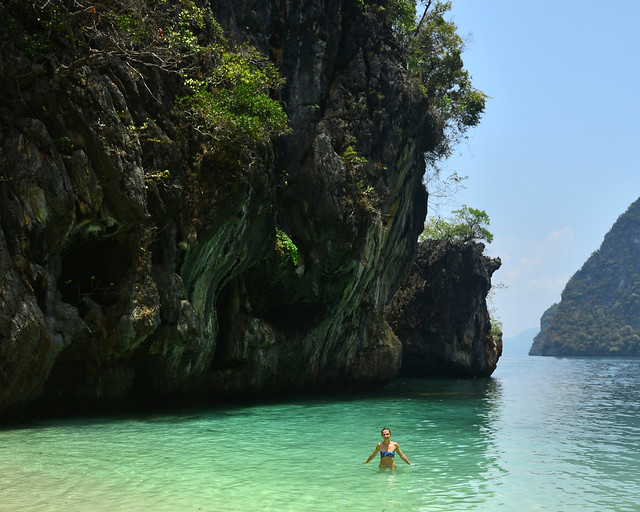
<point>230,95</point>
<point>433,50</point>
<point>467,225</point>
<point>434,55</point>
<point>403,15</point>
<point>364,188</point>
<point>285,246</point>
<point>228,91</point>
<point>495,333</point>
<point>232,103</point>
<point>351,157</point>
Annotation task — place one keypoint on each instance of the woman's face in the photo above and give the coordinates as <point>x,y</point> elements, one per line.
<point>386,434</point>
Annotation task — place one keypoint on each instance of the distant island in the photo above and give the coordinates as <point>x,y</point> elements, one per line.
<point>599,312</point>
<point>519,344</point>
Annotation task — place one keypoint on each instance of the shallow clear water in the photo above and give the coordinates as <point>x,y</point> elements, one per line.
<point>542,434</point>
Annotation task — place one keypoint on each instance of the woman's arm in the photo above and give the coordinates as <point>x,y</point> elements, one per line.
<point>373,454</point>
<point>402,455</point>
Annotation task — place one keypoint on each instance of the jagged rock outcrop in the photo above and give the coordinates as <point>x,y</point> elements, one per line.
<point>599,312</point>
<point>133,264</point>
<point>440,312</point>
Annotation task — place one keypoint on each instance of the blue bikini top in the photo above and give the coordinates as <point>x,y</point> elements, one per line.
<point>388,454</point>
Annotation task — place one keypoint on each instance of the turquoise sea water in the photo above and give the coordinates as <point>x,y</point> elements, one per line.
<point>543,434</point>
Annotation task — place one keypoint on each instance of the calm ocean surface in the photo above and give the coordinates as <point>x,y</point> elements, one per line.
<point>542,434</point>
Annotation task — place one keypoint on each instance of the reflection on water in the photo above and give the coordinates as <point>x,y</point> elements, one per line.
<point>543,434</point>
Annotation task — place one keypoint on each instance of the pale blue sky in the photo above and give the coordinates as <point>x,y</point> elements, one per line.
<point>556,158</point>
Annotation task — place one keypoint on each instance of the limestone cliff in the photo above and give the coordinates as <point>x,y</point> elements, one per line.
<point>599,314</point>
<point>133,263</point>
<point>440,312</point>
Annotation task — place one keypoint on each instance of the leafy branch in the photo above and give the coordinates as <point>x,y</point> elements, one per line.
<point>285,247</point>
<point>467,225</point>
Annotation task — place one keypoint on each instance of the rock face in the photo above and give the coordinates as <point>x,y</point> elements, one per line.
<point>132,264</point>
<point>440,312</point>
<point>599,314</point>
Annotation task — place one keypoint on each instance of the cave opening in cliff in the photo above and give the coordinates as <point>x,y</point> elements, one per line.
<point>93,270</point>
<point>259,297</point>
<point>292,318</point>
<point>281,305</point>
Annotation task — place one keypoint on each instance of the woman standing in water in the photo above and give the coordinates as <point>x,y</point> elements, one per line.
<point>387,449</point>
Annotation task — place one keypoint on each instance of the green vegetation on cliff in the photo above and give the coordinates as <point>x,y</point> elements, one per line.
<point>225,88</point>
<point>467,225</point>
<point>599,313</point>
<point>433,49</point>
<point>435,56</point>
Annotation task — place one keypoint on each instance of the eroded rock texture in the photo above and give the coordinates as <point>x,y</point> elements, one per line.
<point>440,312</point>
<point>132,264</point>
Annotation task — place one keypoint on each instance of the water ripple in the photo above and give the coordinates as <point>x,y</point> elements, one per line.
<point>543,434</point>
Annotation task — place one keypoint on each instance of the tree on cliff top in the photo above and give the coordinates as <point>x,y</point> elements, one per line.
<point>433,51</point>
<point>468,225</point>
<point>434,54</point>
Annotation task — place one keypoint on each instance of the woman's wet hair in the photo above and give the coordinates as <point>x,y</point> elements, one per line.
<point>385,428</point>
